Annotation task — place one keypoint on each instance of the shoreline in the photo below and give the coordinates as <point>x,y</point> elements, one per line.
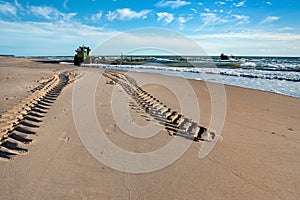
<point>228,85</point>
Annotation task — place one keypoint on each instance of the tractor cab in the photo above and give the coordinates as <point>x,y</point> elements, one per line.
<point>82,52</point>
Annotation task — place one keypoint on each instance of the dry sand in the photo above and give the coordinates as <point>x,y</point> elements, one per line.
<point>257,158</point>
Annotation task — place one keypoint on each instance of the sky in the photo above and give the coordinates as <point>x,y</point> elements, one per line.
<point>238,27</point>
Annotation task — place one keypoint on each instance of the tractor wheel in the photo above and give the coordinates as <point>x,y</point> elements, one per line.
<point>76,60</point>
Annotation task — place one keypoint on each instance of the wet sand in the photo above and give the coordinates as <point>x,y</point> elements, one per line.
<point>257,156</point>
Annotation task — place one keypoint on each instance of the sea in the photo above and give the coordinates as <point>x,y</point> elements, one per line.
<point>279,75</point>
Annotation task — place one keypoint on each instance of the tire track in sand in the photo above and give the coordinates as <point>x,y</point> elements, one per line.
<point>146,104</point>
<point>21,121</point>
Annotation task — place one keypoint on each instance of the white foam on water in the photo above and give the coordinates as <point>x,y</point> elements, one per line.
<point>281,82</point>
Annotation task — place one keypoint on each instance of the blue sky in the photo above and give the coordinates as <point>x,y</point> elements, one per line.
<point>239,27</point>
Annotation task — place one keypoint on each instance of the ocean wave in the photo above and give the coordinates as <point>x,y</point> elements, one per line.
<point>262,63</point>
<point>247,73</point>
<point>247,65</point>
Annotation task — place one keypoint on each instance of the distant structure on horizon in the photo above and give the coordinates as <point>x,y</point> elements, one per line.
<point>225,57</point>
<point>3,55</point>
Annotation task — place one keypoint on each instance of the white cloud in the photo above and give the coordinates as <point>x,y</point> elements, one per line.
<point>286,29</point>
<point>220,3</point>
<point>250,43</point>
<point>240,4</point>
<point>207,9</point>
<point>111,16</point>
<point>43,11</point>
<point>194,10</point>
<point>172,4</point>
<point>19,6</point>
<point>65,4</point>
<point>129,14</point>
<point>62,38</point>
<point>149,40</point>
<point>8,9</point>
<point>169,17</point>
<point>252,36</point>
<point>97,16</point>
<point>270,19</point>
<point>211,19</point>
<point>126,14</point>
<point>242,19</point>
<point>48,38</point>
<point>166,17</point>
<point>269,3</point>
<point>200,4</point>
<point>182,20</point>
<point>46,12</point>
<point>50,13</point>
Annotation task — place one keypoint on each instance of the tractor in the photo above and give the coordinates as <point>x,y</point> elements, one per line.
<point>82,52</point>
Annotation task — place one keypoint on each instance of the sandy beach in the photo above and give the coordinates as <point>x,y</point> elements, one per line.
<point>256,157</point>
